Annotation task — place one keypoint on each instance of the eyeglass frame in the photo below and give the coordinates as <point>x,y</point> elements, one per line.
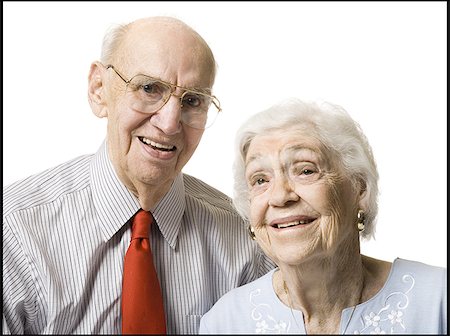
<point>173,87</point>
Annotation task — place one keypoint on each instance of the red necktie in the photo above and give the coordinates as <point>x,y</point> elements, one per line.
<point>142,304</point>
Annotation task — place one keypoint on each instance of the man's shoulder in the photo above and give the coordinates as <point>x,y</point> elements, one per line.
<point>48,185</point>
<point>207,194</point>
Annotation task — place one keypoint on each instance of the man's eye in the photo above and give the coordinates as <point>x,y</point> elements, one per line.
<point>192,100</point>
<point>153,89</point>
<point>197,100</point>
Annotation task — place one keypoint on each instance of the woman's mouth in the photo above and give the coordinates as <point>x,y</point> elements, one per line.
<point>293,223</point>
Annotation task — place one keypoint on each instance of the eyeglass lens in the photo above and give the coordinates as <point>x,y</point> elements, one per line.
<point>199,110</point>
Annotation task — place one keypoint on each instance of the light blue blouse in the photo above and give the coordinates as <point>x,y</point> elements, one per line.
<point>413,300</point>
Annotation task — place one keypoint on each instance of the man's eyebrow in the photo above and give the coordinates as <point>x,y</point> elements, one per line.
<point>200,90</point>
<point>207,90</point>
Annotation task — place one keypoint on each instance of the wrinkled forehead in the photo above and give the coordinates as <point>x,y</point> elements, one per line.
<point>284,143</point>
<point>287,137</point>
<point>287,146</point>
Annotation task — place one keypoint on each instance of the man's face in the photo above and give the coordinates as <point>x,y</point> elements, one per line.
<point>148,150</point>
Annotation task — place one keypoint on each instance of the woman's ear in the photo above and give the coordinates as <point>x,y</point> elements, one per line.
<point>96,92</point>
<point>363,194</point>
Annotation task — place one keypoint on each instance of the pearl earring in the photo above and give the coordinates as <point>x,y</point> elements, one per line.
<point>361,220</point>
<point>251,232</point>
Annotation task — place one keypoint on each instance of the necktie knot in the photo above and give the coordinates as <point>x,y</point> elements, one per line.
<point>141,224</point>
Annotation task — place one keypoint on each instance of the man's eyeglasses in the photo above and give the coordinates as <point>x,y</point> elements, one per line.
<point>199,109</point>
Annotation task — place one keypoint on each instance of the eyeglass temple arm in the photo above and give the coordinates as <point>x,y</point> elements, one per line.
<point>117,72</point>
<point>218,106</point>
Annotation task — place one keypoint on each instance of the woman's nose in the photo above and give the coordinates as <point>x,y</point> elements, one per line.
<point>282,193</point>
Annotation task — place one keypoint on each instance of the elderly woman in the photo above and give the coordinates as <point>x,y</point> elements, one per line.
<point>306,180</point>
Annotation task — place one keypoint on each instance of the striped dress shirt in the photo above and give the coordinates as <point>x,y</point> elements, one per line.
<point>67,229</point>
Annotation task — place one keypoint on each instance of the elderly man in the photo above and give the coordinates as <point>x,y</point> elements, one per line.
<point>66,231</point>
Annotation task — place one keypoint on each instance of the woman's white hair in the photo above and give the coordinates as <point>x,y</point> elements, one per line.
<point>336,130</point>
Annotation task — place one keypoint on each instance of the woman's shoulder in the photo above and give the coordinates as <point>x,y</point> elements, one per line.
<point>419,268</point>
<point>423,281</point>
<point>411,300</point>
<point>394,276</point>
<point>232,312</point>
<point>387,269</point>
<point>240,295</point>
<point>428,277</point>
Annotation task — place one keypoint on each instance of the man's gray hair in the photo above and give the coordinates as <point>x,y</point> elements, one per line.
<point>112,39</point>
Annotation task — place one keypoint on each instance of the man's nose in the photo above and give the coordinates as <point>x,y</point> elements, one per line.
<point>168,117</point>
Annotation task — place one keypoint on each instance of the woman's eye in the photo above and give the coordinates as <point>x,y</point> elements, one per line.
<point>260,181</point>
<point>257,181</point>
<point>307,171</point>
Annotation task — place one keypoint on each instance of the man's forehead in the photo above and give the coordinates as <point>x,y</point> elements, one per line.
<point>166,48</point>
<point>156,41</point>
<point>158,30</point>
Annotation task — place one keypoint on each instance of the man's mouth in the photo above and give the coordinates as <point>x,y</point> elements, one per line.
<point>157,146</point>
<point>293,223</point>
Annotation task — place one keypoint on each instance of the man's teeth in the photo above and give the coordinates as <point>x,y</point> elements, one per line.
<point>285,225</point>
<point>157,145</point>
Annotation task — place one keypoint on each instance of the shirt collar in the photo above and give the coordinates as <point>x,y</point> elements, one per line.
<point>169,211</point>
<point>115,204</point>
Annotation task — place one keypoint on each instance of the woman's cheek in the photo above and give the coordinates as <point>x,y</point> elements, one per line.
<point>258,209</point>
<point>263,239</point>
<point>318,197</point>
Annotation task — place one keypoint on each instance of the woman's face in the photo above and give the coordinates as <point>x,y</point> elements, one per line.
<point>301,207</point>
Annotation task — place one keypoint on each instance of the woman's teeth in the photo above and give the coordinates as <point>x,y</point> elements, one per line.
<point>285,225</point>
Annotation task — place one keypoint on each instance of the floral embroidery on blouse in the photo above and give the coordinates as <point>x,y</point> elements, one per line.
<point>389,319</point>
<point>265,322</point>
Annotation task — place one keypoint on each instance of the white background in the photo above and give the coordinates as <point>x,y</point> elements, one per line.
<point>385,62</point>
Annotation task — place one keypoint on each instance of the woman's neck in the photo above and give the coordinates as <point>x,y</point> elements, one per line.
<point>321,289</point>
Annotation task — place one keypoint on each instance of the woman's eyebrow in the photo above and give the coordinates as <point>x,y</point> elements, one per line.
<point>254,157</point>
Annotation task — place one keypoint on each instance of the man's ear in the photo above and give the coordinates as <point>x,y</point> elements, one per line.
<point>96,92</point>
